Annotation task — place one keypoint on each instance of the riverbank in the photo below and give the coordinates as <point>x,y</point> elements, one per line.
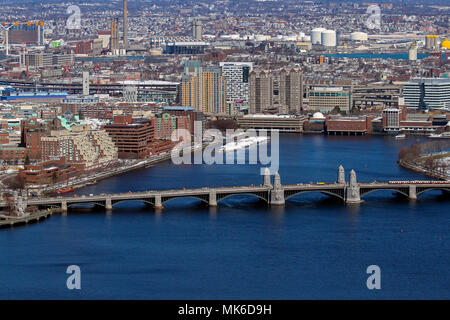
<point>420,170</point>
<point>15,221</point>
<point>81,182</point>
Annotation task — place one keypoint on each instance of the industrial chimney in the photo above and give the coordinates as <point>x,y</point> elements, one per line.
<point>125,24</point>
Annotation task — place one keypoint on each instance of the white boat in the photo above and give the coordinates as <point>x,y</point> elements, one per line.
<point>242,144</point>
<point>400,136</point>
<point>444,135</point>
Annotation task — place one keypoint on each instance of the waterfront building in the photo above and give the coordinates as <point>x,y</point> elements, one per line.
<point>49,172</point>
<point>261,91</point>
<point>427,93</point>
<point>79,145</point>
<point>391,119</point>
<point>326,99</point>
<point>339,125</point>
<point>291,90</point>
<point>283,123</point>
<point>131,137</point>
<point>316,124</point>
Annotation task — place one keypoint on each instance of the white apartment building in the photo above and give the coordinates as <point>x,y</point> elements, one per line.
<point>237,76</point>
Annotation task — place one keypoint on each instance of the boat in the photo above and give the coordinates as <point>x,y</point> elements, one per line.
<point>242,144</point>
<point>66,190</point>
<point>400,136</point>
<point>91,183</point>
<point>445,135</point>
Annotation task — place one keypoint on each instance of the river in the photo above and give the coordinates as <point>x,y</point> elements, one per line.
<point>313,248</point>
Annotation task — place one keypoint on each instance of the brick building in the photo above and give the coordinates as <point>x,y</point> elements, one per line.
<point>131,137</point>
<point>49,172</point>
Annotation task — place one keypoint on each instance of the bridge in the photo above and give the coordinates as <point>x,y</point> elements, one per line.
<point>273,193</point>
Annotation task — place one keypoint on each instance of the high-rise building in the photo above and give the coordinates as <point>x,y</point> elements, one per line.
<point>291,90</point>
<point>261,91</point>
<point>423,93</point>
<point>205,91</point>
<point>197,29</point>
<point>192,67</point>
<point>125,24</point>
<point>237,76</point>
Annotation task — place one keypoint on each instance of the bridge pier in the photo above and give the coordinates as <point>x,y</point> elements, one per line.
<point>108,204</point>
<point>213,199</point>
<point>158,202</point>
<point>64,206</point>
<point>353,192</point>
<point>277,192</point>
<point>412,192</point>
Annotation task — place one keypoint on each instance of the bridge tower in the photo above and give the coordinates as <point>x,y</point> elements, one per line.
<point>267,179</point>
<point>341,175</point>
<point>277,192</point>
<point>353,194</point>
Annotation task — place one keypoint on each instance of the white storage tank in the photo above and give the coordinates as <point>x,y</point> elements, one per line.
<point>358,36</point>
<point>329,38</point>
<point>316,35</point>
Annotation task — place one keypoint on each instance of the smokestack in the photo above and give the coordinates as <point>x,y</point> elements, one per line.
<point>125,24</point>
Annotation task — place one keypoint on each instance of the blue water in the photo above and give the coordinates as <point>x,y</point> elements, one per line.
<point>314,247</point>
<point>396,56</point>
